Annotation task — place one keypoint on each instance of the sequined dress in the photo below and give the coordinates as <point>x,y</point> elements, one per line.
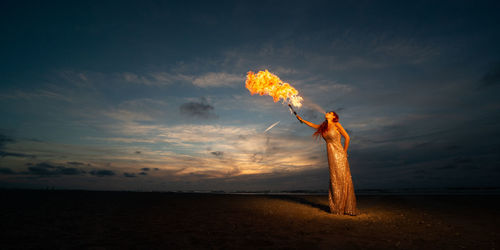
<point>341,197</point>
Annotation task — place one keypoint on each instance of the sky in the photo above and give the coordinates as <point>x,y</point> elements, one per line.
<point>150,95</point>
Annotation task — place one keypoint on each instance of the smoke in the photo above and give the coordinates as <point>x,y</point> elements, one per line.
<point>314,106</point>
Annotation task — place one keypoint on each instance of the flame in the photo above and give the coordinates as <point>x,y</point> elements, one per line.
<point>266,83</point>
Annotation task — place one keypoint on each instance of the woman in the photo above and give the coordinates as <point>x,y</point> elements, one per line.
<point>341,191</point>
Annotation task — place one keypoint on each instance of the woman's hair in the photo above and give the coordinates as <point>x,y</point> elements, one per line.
<point>324,126</point>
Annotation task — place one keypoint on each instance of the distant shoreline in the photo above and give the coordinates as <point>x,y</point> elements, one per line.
<point>361,192</point>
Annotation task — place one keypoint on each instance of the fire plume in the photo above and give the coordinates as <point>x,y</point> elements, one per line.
<point>266,83</point>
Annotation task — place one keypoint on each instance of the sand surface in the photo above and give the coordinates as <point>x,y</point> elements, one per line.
<point>127,220</point>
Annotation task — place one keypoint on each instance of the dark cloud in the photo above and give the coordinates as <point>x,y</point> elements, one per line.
<point>75,163</point>
<point>143,173</point>
<point>200,109</point>
<point>156,169</point>
<point>138,152</point>
<point>130,175</point>
<point>5,154</point>
<point>47,169</point>
<point>257,157</point>
<point>448,154</point>
<point>4,140</point>
<point>71,171</point>
<point>492,77</point>
<point>145,169</point>
<point>102,173</point>
<point>460,162</point>
<point>218,153</point>
<point>6,171</point>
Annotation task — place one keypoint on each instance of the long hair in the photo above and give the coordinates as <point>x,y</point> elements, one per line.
<point>324,126</point>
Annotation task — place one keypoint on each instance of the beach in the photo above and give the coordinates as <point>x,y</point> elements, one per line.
<point>154,220</point>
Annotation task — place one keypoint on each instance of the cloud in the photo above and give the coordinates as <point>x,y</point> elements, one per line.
<point>70,171</point>
<point>212,79</point>
<point>155,78</point>
<point>130,175</point>
<point>47,169</point>
<point>243,146</point>
<point>145,169</point>
<point>5,154</point>
<point>143,173</point>
<point>102,172</point>
<point>38,94</point>
<point>127,115</point>
<point>218,153</point>
<point>6,171</point>
<point>492,77</point>
<point>218,80</point>
<point>199,109</point>
<point>75,163</point>
<point>4,140</point>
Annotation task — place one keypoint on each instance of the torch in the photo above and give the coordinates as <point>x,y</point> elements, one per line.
<point>293,111</point>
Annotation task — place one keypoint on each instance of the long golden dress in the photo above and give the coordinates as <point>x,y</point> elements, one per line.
<point>341,197</point>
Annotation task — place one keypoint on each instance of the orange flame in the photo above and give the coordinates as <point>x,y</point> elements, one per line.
<point>266,83</point>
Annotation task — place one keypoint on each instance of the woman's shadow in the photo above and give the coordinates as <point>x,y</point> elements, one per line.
<point>303,201</point>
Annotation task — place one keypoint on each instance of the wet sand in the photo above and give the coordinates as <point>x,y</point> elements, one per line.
<point>128,220</point>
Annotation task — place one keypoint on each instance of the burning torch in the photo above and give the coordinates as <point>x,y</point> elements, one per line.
<point>266,83</point>
<point>293,111</point>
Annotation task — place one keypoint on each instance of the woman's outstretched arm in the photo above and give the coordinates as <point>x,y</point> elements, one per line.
<point>310,124</point>
<point>346,136</point>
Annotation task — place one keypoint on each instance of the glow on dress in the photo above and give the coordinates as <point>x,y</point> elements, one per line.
<point>341,197</point>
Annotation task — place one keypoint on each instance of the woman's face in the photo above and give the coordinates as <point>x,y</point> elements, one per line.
<point>330,116</point>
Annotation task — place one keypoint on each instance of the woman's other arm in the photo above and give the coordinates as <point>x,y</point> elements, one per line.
<point>346,136</point>
<point>310,124</point>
